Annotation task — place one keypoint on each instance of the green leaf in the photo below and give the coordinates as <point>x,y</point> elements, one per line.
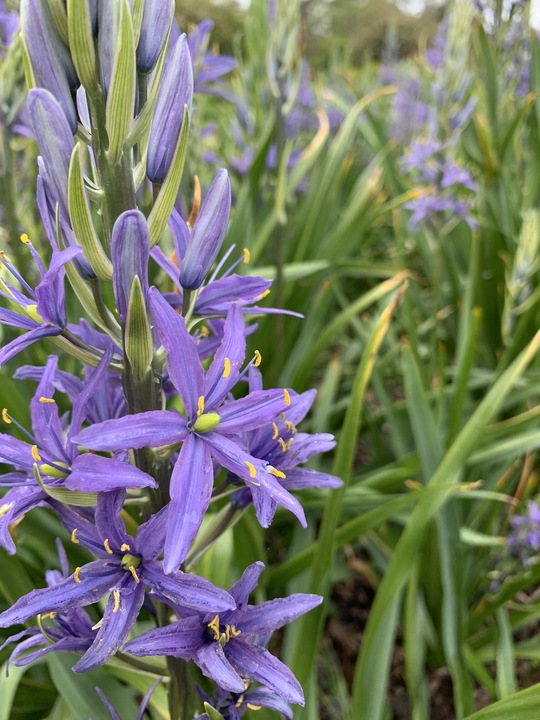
<point>14,578</point>
<point>159,216</point>
<point>121,98</point>
<point>520,706</point>
<point>212,713</point>
<point>81,219</point>
<point>81,42</point>
<point>8,688</point>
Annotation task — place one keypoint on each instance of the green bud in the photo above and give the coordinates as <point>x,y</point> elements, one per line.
<point>206,422</point>
<point>138,338</point>
<point>81,42</point>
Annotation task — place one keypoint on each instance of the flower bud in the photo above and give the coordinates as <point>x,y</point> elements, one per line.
<point>50,58</point>
<point>130,251</point>
<point>157,17</point>
<point>176,91</point>
<point>208,233</point>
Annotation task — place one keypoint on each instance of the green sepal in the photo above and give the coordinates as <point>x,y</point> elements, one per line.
<point>58,12</point>
<point>65,496</point>
<point>212,713</point>
<point>81,219</point>
<point>27,64</point>
<point>81,41</point>
<point>159,217</point>
<point>121,98</point>
<point>138,337</point>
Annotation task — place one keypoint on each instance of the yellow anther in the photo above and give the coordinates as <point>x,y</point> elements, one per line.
<point>35,454</point>
<point>247,256</point>
<point>3,255</point>
<point>205,332</point>
<point>258,358</point>
<point>276,431</point>
<point>77,575</point>
<point>45,400</point>
<point>200,405</point>
<point>116,596</point>
<point>5,416</point>
<point>25,239</point>
<point>286,397</point>
<point>5,508</point>
<point>250,706</point>
<point>264,294</point>
<point>134,573</point>
<point>47,616</point>
<point>226,367</point>
<point>284,445</point>
<point>239,702</point>
<point>107,546</point>
<point>74,536</point>
<point>291,427</point>
<point>274,471</point>
<point>231,631</point>
<point>214,627</point>
<point>251,468</point>
<point>125,547</point>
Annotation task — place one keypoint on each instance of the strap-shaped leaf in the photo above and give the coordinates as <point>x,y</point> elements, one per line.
<point>81,220</point>
<point>158,218</point>
<point>121,98</point>
<point>81,42</point>
<point>138,342</point>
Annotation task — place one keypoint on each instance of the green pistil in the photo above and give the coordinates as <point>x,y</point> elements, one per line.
<point>206,422</point>
<point>55,471</point>
<point>130,561</point>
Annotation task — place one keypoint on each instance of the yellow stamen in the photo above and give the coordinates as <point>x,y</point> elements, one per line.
<point>74,536</point>
<point>263,295</point>
<point>134,573</point>
<point>276,431</point>
<point>291,427</point>
<point>116,596</point>
<point>232,631</point>
<point>258,358</point>
<point>274,471</point>
<point>77,575</point>
<point>35,454</point>
<point>253,707</point>
<point>205,332</point>
<point>47,616</point>
<point>286,397</point>
<point>46,400</point>
<point>284,445</point>
<point>214,627</point>
<point>226,367</point>
<point>200,405</point>
<point>5,416</point>
<point>107,546</point>
<point>247,256</point>
<point>239,702</point>
<point>25,239</point>
<point>125,547</point>
<point>5,508</point>
<point>251,468</point>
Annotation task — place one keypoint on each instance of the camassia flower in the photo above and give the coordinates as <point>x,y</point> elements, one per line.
<point>125,568</point>
<point>53,455</point>
<point>209,430</point>
<point>228,646</point>
<point>233,706</point>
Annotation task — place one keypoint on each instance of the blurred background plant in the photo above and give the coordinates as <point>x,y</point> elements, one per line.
<point>385,171</point>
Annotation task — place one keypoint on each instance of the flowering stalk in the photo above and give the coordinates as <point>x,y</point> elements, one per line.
<point>152,423</point>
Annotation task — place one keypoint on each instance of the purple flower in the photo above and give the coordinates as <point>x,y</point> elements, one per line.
<point>208,431</point>
<point>229,646</point>
<point>126,566</point>
<point>208,68</point>
<point>56,458</point>
<point>157,17</point>
<point>233,706</point>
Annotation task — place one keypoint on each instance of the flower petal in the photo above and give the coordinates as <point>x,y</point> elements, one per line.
<point>119,617</point>
<point>93,473</point>
<point>263,619</point>
<point>181,639</point>
<point>242,588</point>
<point>189,591</point>
<point>302,478</point>
<point>183,362</point>
<point>223,372</point>
<point>258,664</point>
<point>191,489</point>
<point>251,412</point>
<point>149,429</point>
<point>215,665</point>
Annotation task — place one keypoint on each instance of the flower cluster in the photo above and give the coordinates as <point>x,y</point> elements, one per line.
<point>160,412</point>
